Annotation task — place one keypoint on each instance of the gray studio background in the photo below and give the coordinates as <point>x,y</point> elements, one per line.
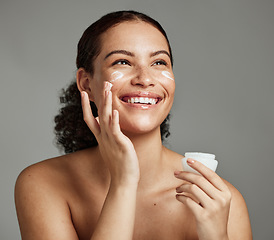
<point>224,68</point>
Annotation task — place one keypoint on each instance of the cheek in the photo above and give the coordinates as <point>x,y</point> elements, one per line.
<point>116,76</point>
<point>167,80</point>
<point>164,77</point>
<point>168,75</point>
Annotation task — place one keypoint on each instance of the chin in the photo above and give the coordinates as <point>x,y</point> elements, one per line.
<point>141,132</point>
<point>140,125</point>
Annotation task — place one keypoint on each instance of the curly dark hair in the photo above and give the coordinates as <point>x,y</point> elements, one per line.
<point>72,133</point>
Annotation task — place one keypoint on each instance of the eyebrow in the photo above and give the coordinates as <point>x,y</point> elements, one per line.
<point>125,52</point>
<point>160,52</point>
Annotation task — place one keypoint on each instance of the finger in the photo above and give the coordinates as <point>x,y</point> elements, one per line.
<point>106,110</point>
<point>88,116</point>
<point>210,175</point>
<point>200,181</point>
<point>190,203</point>
<point>106,87</point>
<point>196,193</point>
<point>117,134</point>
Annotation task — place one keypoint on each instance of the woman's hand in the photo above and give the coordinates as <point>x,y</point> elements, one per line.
<point>116,149</point>
<point>208,197</point>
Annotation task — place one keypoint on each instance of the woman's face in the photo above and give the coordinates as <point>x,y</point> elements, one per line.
<point>135,58</point>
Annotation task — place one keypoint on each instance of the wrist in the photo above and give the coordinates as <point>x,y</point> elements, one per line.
<point>210,235</point>
<point>224,238</point>
<point>123,192</point>
<point>123,186</point>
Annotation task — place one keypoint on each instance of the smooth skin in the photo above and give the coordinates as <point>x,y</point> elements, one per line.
<point>130,186</point>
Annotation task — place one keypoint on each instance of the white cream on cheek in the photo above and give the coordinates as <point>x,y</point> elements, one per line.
<point>118,75</point>
<point>167,75</point>
<point>115,76</point>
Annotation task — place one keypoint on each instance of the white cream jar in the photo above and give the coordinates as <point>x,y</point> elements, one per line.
<point>206,159</point>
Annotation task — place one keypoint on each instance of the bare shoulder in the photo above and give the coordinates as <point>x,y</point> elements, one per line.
<point>173,157</point>
<point>237,200</point>
<point>41,172</point>
<point>235,193</point>
<point>238,222</point>
<point>53,173</point>
<point>41,194</point>
<point>45,175</point>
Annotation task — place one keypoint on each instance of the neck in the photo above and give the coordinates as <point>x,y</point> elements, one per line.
<point>152,156</point>
<point>150,152</point>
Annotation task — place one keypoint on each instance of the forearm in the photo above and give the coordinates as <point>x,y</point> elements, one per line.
<point>118,214</point>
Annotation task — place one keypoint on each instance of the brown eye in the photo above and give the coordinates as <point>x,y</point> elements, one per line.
<point>160,62</point>
<point>121,62</point>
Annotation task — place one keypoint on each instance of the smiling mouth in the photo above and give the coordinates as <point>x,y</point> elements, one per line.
<point>141,100</point>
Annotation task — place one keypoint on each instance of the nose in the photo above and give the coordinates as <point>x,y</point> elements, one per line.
<point>143,78</point>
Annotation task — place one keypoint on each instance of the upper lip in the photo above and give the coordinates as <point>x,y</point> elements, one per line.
<point>141,94</point>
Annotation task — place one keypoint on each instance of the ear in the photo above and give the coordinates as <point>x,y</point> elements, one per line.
<point>84,80</point>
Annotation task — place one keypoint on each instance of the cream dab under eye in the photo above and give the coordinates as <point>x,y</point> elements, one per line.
<point>115,76</point>
<point>167,75</point>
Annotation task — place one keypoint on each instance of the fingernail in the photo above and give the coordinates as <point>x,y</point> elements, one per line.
<point>190,161</point>
<point>115,113</point>
<point>108,86</point>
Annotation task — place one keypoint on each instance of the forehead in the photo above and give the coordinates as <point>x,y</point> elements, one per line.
<point>133,35</point>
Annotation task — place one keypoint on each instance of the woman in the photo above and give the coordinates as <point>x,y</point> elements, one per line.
<point>124,187</point>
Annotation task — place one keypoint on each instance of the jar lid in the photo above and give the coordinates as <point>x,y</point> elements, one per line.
<point>199,154</point>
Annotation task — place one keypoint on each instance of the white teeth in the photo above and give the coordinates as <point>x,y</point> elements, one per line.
<point>142,100</point>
